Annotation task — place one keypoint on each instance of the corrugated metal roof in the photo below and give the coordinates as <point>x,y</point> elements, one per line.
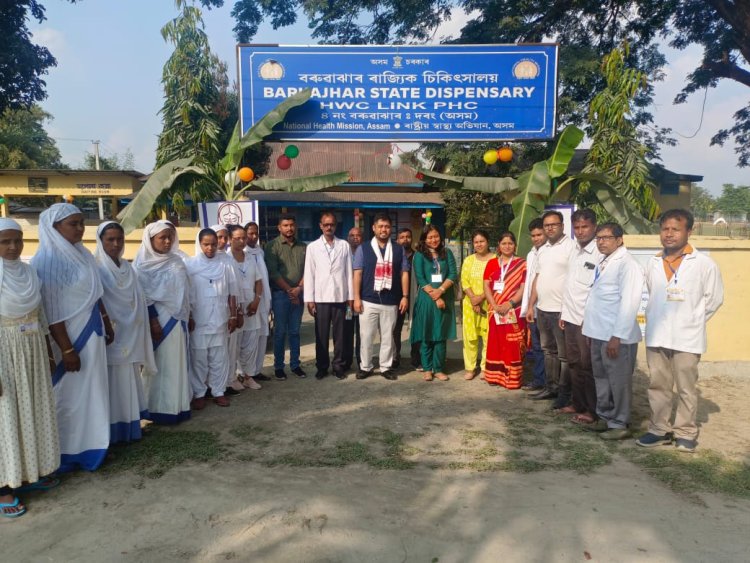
<point>65,172</point>
<point>365,162</point>
<point>383,198</point>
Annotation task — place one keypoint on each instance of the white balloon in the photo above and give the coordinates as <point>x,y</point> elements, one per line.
<point>394,161</point>
<point>231,178</point>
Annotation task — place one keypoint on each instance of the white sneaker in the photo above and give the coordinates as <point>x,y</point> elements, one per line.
<point>250,383</point>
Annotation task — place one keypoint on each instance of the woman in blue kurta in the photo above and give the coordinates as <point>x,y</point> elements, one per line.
<point>434,310</point>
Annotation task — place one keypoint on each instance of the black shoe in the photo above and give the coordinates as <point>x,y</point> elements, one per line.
<point>321,373</point>
<point>362,374</point>
<point>261,377</point>
<point>299,372</point>
<point>208,394</point>
<point>389,375</point>
<point>231,392</point>
<point>340,374</point>
<point>279,375</point>
<point>545,395</point>
<point>532,388</point>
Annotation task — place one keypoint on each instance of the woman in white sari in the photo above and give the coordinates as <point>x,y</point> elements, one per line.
<point>258,348</point>
<point>163,278</point>
<point>71,294</point>
<point>132,347</point>
<point>243,341</point>
<point>29,445</point>
<point>213,307</point>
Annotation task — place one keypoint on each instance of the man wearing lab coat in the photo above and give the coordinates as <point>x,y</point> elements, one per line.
<point>685,290</point>
<point>610,322</point>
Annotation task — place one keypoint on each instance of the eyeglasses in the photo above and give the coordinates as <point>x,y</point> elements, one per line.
<point>551,225</point>
<point>605,237</point>
<point>328,224</point>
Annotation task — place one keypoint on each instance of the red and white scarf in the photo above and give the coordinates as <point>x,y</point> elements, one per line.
<point>384,266</point>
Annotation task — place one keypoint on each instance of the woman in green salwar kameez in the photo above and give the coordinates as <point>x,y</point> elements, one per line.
<point>434,311</point>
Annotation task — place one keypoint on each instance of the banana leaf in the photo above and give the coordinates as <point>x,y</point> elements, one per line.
<point>304,184</point>
<point>488,185</point>
<point>565,148</point>
<point>162,179</point>
<point>264,127</point>
<point>621,210</point>
<point>534,194</point>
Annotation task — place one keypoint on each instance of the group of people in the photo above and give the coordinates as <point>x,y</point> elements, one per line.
<point>158,338</point>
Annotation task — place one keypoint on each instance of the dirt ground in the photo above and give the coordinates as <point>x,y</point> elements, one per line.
<point>374,470</point>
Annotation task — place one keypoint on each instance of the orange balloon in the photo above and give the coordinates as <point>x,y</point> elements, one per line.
<point>246,174</point>
<point>505,154</point>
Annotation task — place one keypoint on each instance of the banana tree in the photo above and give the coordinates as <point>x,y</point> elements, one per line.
<point>533,190</point>
<point>223,176</point>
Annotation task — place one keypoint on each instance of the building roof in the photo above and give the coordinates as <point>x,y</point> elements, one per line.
<point>372,199</point>
<point>365,162</point>
<point>64,172</point>
<point>658,173</point>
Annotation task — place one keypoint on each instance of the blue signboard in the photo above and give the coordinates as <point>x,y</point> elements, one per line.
<point>403,93</point>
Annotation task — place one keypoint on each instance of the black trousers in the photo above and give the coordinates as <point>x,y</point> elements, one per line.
<point>329,321</point>
<point>416,359</point>
<point>351,342</point>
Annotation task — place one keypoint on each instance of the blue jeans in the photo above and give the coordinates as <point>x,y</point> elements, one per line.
<point>536,355</point>
<point>287,319</point>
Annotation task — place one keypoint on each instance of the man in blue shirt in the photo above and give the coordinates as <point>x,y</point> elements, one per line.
<point>381,291</point>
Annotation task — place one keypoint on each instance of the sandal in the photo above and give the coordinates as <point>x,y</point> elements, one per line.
<point>441,376</point>
<point>427,376</point>
<point>4,506</point>
<point>469,375</point>
<point>43,484</point>
<point>583,418</point>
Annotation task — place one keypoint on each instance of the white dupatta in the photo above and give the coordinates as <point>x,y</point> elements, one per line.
<point>19,285</point>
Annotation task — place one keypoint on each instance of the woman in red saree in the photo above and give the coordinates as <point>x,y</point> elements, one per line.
<point>504,279</point>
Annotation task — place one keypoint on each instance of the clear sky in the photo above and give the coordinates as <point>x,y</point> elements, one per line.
<point>107,85</point>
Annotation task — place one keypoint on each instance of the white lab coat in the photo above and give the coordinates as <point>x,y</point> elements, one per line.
<point>614,299</point>
<point>681,325</point>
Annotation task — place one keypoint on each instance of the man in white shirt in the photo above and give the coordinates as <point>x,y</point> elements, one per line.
<point>538,238</point>
<point>583,261</point>
<point>546,296</point>
<point>328,293</point>
<point>685,290</point>
<point>255,252</point>
<point>610,321</point>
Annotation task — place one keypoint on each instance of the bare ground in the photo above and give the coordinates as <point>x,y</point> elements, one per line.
<point>373,470</point>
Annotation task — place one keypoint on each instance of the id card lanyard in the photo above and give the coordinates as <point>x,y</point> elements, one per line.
<point>436,277</point>
<point>500,285</point>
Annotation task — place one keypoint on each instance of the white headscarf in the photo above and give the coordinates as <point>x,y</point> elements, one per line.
<point>68,272</point>
<point>126,306</point>
<point>19,285</point>
<point>216,229</point>
<point>207,268</point>
<point>176,244</point>
<point>162,276</point>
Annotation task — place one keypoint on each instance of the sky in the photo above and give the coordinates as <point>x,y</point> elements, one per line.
<point>110,54</point>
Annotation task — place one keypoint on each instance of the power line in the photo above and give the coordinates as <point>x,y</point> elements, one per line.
<point>700,123</point>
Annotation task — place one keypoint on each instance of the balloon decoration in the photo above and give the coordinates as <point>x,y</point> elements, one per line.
<point>427,216</point>
<point>231,179</point>
<point>394,161</point>
<point>292,151</point>
<point>67,198</point>
<point>2,200</point>
<point>246,174</point>
<point>283,162</point>
<point>490,157</point>
<point>505,154</point>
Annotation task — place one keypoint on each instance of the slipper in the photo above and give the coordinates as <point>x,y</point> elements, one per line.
<point>469,375</point>
<point>441,376</point>
<point>570,409</point>
<point>14,504</point>
<point>427,376</point>
<point>582,419</point>
<point>44,484</point>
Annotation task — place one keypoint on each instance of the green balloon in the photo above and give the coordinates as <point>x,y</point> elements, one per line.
<point>2,200</point>
<point>292,151</point>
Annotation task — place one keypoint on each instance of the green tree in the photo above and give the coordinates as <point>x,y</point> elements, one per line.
<point>24,143</point>
<point>615,148</point>
<point>193,108</point>
<point>125,161</point>
<point>585,29</point>
<point>22,62</point>
<point>702,203</point>
<point>734,200</point>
